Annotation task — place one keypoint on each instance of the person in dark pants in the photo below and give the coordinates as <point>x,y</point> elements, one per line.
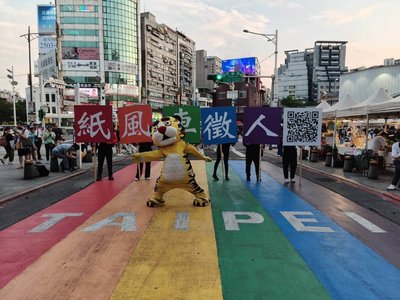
<point>225,151</point>
<point>9,149</point>
<point>289,160</point>
<point>253,156</point>
<point>105,151</point>
<point>396,162</point>
<point>144,147</point>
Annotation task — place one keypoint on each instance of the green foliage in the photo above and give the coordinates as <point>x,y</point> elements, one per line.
<point>7,114</point>
<point>290,101</point>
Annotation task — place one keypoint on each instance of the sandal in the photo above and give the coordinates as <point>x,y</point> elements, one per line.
<point>20,167</point>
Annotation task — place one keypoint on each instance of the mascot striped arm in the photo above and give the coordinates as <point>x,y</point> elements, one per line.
<point>177,171</point>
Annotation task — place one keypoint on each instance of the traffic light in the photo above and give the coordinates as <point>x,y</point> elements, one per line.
<point>216,77</point>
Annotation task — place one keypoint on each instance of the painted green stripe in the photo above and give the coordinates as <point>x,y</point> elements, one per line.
<point>256,262</point>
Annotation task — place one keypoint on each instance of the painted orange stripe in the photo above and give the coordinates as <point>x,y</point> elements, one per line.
<point>87,265</point>
<point>19,248</point>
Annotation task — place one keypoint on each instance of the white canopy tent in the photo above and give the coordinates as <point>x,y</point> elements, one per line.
<point>332,111</point>
<point>323,105</point>
<point>368,106</point>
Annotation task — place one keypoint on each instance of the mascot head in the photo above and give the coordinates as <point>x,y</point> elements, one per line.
<point>168,131</point>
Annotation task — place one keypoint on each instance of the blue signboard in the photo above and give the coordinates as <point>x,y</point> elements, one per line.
<point>46,19</point>
<point>246,65</point>
<point>218,125</point>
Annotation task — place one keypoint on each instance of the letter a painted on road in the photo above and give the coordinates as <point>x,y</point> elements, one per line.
<point>135,124</point>
<point>128,222</point>
<point>93,123</point>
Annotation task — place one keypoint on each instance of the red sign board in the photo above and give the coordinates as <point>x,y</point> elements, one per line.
<point>135,124</point>
<point>93,123</point>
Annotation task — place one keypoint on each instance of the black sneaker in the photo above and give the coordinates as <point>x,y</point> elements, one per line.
<point>248,178</point>
<point>226,178</point>
<point>2,161</point>
<point>110,178</point>
<point>99,178</point>
<point>215,177</point>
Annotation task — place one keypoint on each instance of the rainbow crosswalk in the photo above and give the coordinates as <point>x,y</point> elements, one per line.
<point>256,241</point>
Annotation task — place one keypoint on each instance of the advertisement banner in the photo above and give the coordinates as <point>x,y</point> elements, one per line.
<point>91,92</point>
<point>47,65</point>
<point>80,65</point>
<point>302,126</point>
<point>46,19</point>
<point>190,119</point>
<point>262,125</point>
<point>80,53</point>
<point>245,65</point>
<point>93,123</point>
<point>218,125</point>
<point>118,66</point>
<point>121,90</point>
<point>47,44</point>
<point>135,123</point>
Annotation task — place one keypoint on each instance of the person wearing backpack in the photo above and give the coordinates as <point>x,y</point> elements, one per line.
<point>23,144</point>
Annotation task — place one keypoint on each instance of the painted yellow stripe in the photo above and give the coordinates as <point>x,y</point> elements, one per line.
<point>87,265</point>
<point>175,264</point>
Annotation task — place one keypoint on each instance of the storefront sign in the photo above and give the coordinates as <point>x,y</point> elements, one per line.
<point>80,65</point>
<point>118,66</point>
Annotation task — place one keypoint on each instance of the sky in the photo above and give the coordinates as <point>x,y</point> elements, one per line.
<point>371,28</point>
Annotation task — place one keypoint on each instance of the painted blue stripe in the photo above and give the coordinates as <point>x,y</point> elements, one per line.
<point>345,266</point>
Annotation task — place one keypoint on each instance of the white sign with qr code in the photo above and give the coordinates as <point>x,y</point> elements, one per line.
<point>302,126</point>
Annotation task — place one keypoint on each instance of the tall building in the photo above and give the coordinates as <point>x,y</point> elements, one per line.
<point>99,48</point>
<point>293,77</point>
<point>168,64</point>
<point>329,64</point>
<point>206,65</point>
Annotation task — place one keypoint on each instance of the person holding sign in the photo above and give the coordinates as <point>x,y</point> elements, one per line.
<point>144,147</point>
<point>253,156</point>
<point>105,152</point>
<point>222,149</point>
<point>289,160</point>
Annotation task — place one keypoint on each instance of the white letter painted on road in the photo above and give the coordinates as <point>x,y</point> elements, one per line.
<point>298,223</point>
<point>54,219</point>
<point>364,223</point>
<point>128,222</point>
<point>232,223</point>
<point>182,221</point>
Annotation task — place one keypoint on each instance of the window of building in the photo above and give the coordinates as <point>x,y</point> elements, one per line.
<point>53,98</point>
<point>222,95</point>
<point>53,110</point>
<point>242,94</point>
<point>47,98</point>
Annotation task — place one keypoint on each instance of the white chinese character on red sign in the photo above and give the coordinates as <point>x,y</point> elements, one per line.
<point>92,125</point>
<point>133,125</point>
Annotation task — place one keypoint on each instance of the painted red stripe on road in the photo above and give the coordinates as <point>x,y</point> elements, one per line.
<point>19,247</point>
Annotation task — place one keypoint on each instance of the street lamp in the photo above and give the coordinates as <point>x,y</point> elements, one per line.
<point>13,83</point>
<point>271,37</point>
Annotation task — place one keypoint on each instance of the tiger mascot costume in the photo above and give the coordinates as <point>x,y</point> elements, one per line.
<point>177,171</point>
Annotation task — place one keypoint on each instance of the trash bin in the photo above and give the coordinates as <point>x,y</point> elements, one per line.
<point>348,163</point>
<point>29,170</point>
<point>54,165</point>
<point>373,169</point>
<point>314,155</point>
<point>328,159</point>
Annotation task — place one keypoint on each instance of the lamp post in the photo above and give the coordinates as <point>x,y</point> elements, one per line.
<point>271,37</point>
<point>13,83</point>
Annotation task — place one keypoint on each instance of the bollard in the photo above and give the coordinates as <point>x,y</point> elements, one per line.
<point>29,170</point>
<point>328,159</point>
<point>54,165</point>
<point>373,169</point>
<point>314,155</point>
<point>348,164</point>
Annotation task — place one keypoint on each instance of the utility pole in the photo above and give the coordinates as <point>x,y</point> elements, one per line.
<point>30,37</point>
<point>13,83</point>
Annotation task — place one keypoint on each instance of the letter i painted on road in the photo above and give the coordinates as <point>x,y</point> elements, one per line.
<point>135,124</point>
<point>218,125</point>
<point>262,125</point>
<point>190,119</point>
<point>93,123</point>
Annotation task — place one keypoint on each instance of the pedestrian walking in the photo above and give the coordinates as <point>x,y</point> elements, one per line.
<point>253,156</point>
<point>105,152</point>
<point>9,144</point>
<point>396,162</point>
<point>225,151</point>
<point>144,147</point>
<point>23,144</point>
<point>289,160</point>
<point>49,138</point>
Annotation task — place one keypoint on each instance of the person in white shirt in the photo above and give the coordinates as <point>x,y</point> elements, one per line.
<point>396,162</point>
<point>377,142</point>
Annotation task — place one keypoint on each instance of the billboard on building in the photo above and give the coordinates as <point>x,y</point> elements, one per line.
<point>121,90</point>
<point>47,44</point>
<point>118,66</point>
<point>91,92</point>
<point>80,53</point>
<point>246,65</point>
<point>80,65</point>
<point>47,65</point>
<point>46,19</point>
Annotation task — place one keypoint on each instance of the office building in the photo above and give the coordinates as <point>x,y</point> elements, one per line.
<point>205,66</point>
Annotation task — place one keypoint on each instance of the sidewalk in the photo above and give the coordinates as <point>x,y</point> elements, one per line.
<point>373,185</point>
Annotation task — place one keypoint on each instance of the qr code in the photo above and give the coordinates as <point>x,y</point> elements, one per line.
<point>302,126</point>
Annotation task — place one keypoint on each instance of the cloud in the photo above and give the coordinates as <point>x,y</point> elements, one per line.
<point>338,17</point>
<point>284,4</point>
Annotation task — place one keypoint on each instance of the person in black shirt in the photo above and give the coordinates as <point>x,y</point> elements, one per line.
<point>253,156</point>
<point>9,149</point>
<point>144,147</point>
<point>225,152</point>
<point>289,159</point>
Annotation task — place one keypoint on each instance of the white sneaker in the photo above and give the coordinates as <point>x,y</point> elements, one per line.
<point>292,180</point>
<point>147,178</point>
<point>10,163</point>
<point>287,180</point>
<point>391,187</point>
<point>136,179</point>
